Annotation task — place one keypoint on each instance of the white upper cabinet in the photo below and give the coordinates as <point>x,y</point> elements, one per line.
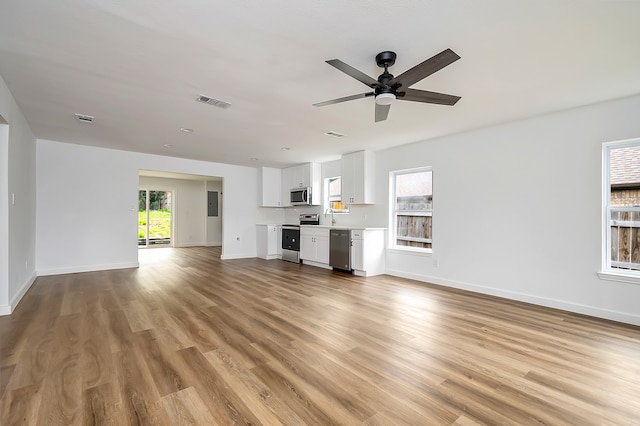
<point>306,175</point>
<point>287,177</point>
<point>358,174</point>
<point>269,187</point>
<point>301,176</point>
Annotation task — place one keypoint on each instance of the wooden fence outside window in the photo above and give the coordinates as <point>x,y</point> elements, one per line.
<point>625,238</point>
<point>414,221</point>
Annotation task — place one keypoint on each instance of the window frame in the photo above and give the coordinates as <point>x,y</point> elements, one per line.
<point>327,195</point>
<point>608,272</point>
<point>393,216</point>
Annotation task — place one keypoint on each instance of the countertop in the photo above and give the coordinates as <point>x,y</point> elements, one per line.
<point>364,228</point>
<point>326,226</point>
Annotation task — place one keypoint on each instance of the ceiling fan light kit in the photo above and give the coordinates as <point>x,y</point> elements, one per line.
<point>385,98</point>
<point>388,88</point>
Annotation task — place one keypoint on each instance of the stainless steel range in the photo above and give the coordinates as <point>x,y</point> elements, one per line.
<point>291,237</point>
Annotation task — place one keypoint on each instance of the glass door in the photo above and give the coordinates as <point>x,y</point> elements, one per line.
<point>154,218</point>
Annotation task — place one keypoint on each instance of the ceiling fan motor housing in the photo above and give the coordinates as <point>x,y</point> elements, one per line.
<point>385,59</point>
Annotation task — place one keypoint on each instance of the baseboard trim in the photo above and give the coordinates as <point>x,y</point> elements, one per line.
<point>317,264</point>
<point>237,256</point>
<point>88,268</point>
<point>8,309</point>
<point>523,297</point>
<point>200,244</point>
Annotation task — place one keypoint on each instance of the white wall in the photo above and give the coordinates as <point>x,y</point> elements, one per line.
<point>189,208</point>
<point>88,199</point>
<point>214,223</point>
<point>517,209</point>
<point>4,217</point>
<point>17,220</point>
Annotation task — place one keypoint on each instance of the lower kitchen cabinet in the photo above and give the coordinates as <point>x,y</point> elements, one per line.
<point>367,252</point>
<point>314,245</point>
<point>268,242</point>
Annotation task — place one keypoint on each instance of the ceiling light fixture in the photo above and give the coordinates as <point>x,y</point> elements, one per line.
<point>285,148</point>
<point>385,98</point>
<point>186,130</point>
<point>254,158</point>
<point>334,134</point>
<point>167,145</point>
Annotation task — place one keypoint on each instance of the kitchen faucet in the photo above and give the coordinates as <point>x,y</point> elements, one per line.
<point>333,220</point>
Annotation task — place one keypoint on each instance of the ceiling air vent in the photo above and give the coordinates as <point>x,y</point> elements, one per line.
<point>334,134</point>
<point>84,118</point>
<point>212,101</point>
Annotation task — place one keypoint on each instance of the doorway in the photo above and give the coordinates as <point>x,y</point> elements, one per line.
<point>155,218</point>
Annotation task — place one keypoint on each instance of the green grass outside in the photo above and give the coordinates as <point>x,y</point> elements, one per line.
<point>159,224</point>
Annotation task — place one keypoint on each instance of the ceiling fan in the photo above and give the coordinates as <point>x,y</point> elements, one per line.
<point>387,88</point>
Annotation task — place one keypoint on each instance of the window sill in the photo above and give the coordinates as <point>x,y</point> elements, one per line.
<point>619,277</point>
<point>411,251</point>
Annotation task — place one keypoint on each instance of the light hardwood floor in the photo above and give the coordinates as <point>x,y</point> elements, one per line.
<point>190,339</point>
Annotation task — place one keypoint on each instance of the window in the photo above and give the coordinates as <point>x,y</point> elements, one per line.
<point>333,195</point>
<point>621,200</point>
<point>411,209</point>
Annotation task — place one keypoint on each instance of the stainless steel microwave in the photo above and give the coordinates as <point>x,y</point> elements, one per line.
<point>300,197</point>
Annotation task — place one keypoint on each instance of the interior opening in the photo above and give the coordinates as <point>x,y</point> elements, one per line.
<point>177,210</point>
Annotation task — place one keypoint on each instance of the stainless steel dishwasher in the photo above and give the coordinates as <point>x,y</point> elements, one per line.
<point>340,249</point>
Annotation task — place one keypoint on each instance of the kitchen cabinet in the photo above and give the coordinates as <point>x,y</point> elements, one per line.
<point>301,176</point>
<point>269,241</point>
<point>306,175</point>
<point>357,176</point>
<point>357,251</point>
<point>367,252</point>
<point>314,245</point>
<point>269,187</point>
<point>285,186</point>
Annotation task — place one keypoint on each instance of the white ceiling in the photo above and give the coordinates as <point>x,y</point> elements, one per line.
<point>137,66</point>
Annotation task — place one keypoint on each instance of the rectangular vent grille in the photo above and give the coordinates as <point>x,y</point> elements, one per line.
<point>84,118</point>
<point>211,101</point>
<point>334,134</point>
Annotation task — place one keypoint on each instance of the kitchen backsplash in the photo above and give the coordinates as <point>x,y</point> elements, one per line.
<point>359,215</point>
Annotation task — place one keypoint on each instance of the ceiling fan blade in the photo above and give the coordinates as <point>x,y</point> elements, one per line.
<point>425,69</point>
<point>351,71</point>
<point>382,111</point>
<point>346,98</point>
<point>425,96</point>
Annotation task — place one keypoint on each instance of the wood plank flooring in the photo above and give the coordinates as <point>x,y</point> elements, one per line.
<point>190,339</point>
